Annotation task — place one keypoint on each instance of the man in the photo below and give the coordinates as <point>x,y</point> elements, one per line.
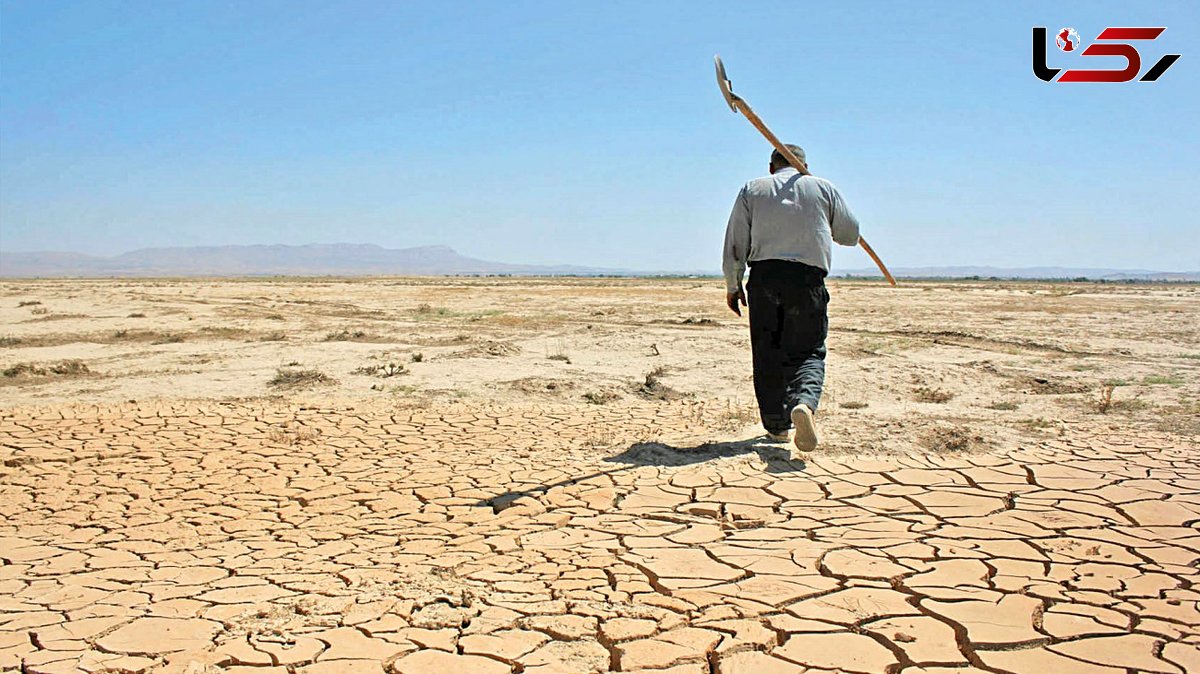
<point>783,226</point>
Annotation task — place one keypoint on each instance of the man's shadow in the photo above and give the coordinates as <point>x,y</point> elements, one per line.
<point>776,456</point>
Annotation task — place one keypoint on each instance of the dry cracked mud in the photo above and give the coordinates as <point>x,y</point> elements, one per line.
<point>192,537</point>
<point>505,499</point>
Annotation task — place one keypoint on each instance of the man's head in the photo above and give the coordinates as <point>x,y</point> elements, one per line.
<point>779,162</point>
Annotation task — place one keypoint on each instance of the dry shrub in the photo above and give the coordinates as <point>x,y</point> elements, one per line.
<point>926,394</point>
<point>389,370</point>
<point>489,349</point>
<point>1046,386</point>
<point>294,379</point>
<point>292,436</point>
<point>652,387</point>
<point>28,303</point>
<point>222,332</point>
<point>600,437</point>
<point>1105,400</point>
<point>425,310</point>
<point>731,416</point>
<point>954,439</point>
<point>559,352</point>
<point>344,335</point>
<point>600,397</point>
<point>62,368</point>
<point>854,405</point>
<point>151,336</point>
<point>540,385</point>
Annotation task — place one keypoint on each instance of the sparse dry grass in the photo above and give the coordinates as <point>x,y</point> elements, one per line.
<point>559,353</point>
<point>286,378</point>
<point>1163,380</point>
<point>291,435</point>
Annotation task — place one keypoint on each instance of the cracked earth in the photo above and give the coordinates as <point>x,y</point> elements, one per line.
<point>556,476</point>
<point>196,538</point>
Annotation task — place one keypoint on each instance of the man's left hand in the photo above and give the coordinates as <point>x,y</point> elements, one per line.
<point>734,298</point>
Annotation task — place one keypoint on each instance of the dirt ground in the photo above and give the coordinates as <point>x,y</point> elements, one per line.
<point>567,475</point>
<point>909,368</point>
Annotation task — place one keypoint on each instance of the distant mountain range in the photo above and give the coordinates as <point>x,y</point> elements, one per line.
<point>338,259</point>
<point>343,259</point>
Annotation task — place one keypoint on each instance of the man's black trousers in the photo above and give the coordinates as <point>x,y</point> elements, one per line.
<point>788,324</point>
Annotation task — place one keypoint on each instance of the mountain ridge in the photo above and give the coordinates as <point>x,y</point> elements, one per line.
<point>337,259</point>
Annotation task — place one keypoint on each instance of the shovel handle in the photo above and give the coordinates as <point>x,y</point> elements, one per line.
<point>803,169</point>
<point>778,144</point>
<point>878,263</point>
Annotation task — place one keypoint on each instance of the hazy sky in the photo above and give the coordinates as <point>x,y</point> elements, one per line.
<point>590,133</point>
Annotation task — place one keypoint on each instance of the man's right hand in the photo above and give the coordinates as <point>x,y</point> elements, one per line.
<point>735,298</point>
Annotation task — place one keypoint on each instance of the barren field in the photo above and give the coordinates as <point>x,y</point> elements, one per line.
<point>567,476</point>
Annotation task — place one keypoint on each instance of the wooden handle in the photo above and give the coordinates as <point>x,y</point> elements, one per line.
<point>803,169</point>
<point>879,263</point>
<point>778,144</point>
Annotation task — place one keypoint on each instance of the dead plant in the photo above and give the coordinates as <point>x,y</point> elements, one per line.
<point>295,379</point>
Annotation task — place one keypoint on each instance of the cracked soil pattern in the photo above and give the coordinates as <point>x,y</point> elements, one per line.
<point>192,538</point>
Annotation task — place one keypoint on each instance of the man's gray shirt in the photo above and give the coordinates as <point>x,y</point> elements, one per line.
<point>786,216</point>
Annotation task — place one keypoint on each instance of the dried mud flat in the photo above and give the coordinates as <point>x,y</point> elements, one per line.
<point>548,475</point>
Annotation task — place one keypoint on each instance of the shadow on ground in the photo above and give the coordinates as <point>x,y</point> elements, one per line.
<point>776,456</point>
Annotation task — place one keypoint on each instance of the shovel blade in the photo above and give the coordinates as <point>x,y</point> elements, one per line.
<point>723,82</point>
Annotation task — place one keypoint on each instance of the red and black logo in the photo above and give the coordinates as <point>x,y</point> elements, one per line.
<point>1068,40</point>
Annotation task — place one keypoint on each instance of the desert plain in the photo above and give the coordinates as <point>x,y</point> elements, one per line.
<point>552,475</point>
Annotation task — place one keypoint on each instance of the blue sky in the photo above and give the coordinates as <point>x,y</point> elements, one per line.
<point>590,133</point>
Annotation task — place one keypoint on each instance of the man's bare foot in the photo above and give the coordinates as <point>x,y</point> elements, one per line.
<point>806,438</point>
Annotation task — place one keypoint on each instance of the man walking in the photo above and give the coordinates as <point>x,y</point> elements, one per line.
<point>783,226</point>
